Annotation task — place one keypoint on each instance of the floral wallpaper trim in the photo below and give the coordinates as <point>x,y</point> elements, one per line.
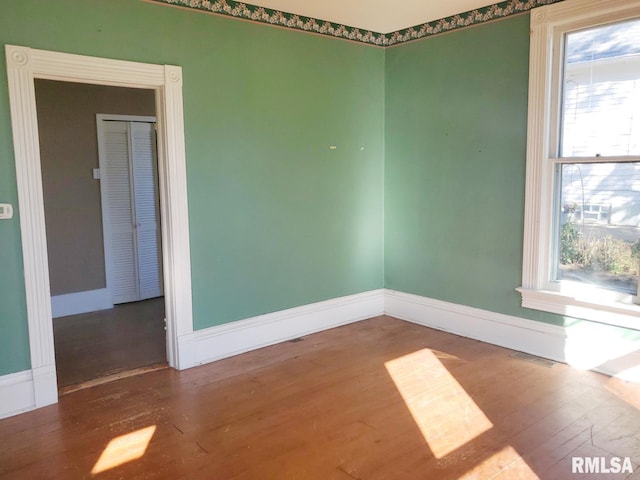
<point>472,17</point>
<point>283,19</point>
<point>307,24</point>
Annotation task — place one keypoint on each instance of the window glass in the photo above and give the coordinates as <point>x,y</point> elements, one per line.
<point>599,238</point>
<point>601,94</point>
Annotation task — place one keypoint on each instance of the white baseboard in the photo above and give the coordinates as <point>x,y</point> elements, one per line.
<point>536,338</point>
<point>587,346</point>
<point>600,349</point>
<point>81,302</point>
<point>234,338</point>
<point>45,385</point>
<point>16,393</point>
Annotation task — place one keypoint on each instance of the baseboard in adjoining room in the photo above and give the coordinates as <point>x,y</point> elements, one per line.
<point>81,302</point>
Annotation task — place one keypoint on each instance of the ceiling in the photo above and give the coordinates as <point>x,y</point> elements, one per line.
<point>381,16</point>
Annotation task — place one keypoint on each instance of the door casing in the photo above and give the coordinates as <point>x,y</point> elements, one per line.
<point>24,65</point>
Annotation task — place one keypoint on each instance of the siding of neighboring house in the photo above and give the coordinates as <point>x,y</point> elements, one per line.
<point>613,187</point>
<point>601,99</point>
<point>600,103</point>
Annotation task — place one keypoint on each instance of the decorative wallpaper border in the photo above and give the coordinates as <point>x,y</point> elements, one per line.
<point>282,19</point>
<point>269,16</point>
<point>473,17</point>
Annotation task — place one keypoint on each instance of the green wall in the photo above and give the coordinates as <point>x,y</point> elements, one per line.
<point>277,218</point>
<point>455,153</point>
<point>455,157</point>
<point>424,192</point>
<point>455,146</point>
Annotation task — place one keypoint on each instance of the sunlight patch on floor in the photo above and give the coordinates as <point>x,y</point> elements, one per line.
<point>431,393</point>
<point>589,345</point>
<point>123,449</point>
<point>631,374</point>
<point>505,464</point>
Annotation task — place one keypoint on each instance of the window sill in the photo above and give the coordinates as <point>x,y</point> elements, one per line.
<point>621,314</point>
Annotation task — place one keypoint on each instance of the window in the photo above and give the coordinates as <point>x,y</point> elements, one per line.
<point>582,214</point>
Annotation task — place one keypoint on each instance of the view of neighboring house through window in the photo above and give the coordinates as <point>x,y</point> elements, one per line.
<point>597,180</point>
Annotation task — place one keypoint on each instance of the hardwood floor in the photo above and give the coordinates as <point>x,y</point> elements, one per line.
<point>108,342</point>
<point>379,399</point>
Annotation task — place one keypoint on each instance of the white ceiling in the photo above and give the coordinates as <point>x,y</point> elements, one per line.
<point>381,16</point>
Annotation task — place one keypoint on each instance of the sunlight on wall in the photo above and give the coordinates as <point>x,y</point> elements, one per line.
<point>506,463</point>
<point>430,392</point>
<point>123,449</point>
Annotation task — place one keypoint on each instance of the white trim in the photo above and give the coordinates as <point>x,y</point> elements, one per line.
<point>602,350</point>
<point>582,306</point>
<point>242,336</point>
<point>81,302</point>
<point>23,66</point>
<point>547,26</point>
<point>536,338</point>
<point>16,393</point>
<point>589,346</point>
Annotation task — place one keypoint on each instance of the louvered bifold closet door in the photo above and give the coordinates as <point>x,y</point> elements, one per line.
<point>145,175</point>
<point>116,180</point>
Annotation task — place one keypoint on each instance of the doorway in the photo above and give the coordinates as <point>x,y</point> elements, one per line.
<point>102,216</point>
<point>24,65</point>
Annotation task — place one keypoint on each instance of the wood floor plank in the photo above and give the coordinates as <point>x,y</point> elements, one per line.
<point>379,399</point>
<point>108,342</point>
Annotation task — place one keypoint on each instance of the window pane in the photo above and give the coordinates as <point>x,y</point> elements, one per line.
<point>599,238</point>
<point>601,97</point>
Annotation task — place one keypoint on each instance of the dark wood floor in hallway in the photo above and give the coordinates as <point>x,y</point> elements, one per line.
<point>99,344</point>
<point>378,399</point>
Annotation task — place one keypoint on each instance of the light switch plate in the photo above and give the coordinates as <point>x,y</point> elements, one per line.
<point>96,174</point>
<point>6,211</point>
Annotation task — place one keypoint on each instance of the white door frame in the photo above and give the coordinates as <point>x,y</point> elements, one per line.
<point>23,66</point>
<point>106,225</point>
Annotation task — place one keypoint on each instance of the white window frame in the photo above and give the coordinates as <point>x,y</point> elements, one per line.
<point>539,291</point>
